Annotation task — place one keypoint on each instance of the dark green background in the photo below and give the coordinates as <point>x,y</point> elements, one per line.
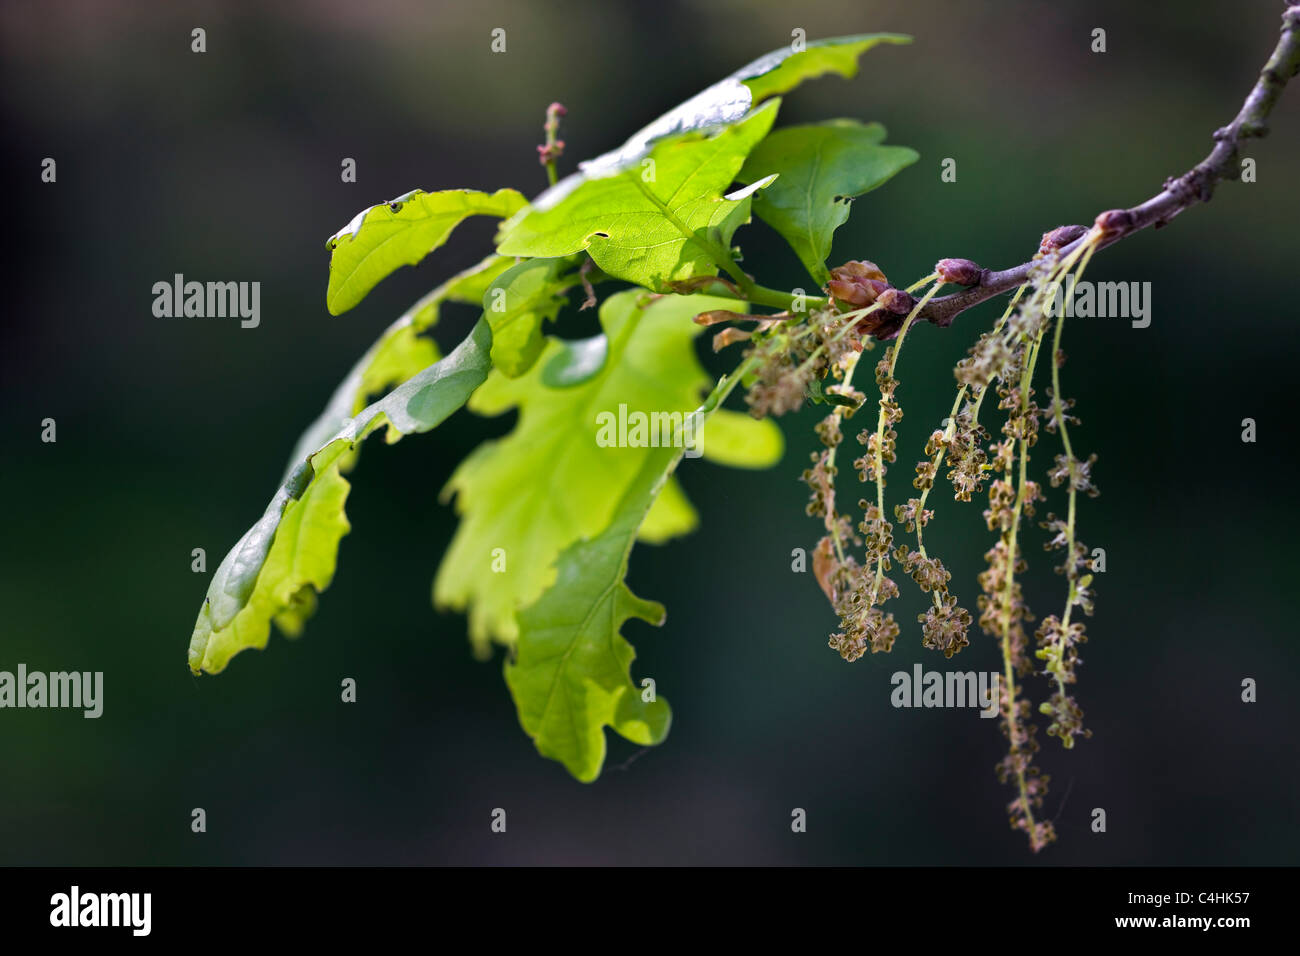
<point>172,435</point>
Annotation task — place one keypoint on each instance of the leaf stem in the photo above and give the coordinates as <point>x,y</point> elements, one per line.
<point>775,298</point>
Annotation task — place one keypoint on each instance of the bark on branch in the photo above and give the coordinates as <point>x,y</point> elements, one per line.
<point>1194,186</point>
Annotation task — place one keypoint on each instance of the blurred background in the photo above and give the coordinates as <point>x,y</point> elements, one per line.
<point>172,435</point>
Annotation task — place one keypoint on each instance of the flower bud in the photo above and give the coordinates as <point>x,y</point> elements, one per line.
<point>856,292</point>
<point>958,271</point>
<point>848,292</point>
<point>858,269</point>
<point>1059,237</point>
<point>897,301</point>
<point>550,152</point>
<point>1114,221</point>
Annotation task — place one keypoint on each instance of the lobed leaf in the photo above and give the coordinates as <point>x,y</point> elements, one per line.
<point>278,566</point>
<point>783,70</point>
<point>517,302</point>
<point>570,675</point>
<point>402,351</point>
<point>729,100</point>
<point>570,678</point>
<point>820,168</point>
<point>383,238</point>
<point>549,483</point>
<point>652,225</point>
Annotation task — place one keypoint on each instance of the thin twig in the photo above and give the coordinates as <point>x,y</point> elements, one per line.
<point>1194,186</point>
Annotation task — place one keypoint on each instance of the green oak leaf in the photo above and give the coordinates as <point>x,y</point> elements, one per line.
<point>655,233</point>
<point>549,483</point>
<point>403,350</point>
<point>655,224</point>
<point>729,100</point>
<point>517,302</point>
<point>401,232</point>
<point>570,678</point>
<point>820,167</point>
<point>570,674</point>
<point>783,70</point>
<point>576,361</point>
<point>672,514</point>
<point>278,566</point>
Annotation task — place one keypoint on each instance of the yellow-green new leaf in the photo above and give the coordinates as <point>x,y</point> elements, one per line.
<point>570,677</point>
<point>401,232</point>
<point>665,220</point>
<point>729,100</point>
<point>783,70</point>
<point>402,351</point>
<point>558,476</point>
<point>820,169</point>
<point>517,302</point>
<point>279,565</point>
<point>571,672</point>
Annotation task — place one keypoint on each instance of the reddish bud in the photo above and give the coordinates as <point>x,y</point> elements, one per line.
<point>848,292</point>
<point>875,287</point>
<point>959,271</point>
<point>550,152</point>
<point>859,269</point>
<point>897,301</point>
<point>856,292</point>
<point>1114,221</point>
<point>1059,238</point>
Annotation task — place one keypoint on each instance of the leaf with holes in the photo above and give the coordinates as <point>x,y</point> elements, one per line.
<point>666,220</point>
<point>380,240</point>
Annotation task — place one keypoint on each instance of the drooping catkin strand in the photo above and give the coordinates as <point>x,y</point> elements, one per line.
<point>1012,497</point>
<point>1059,638</point>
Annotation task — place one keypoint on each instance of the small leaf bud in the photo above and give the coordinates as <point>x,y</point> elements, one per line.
<point>1114,221</point>
<point>1059,237</point>
<point>959,271</point>
<point>897,301</point>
